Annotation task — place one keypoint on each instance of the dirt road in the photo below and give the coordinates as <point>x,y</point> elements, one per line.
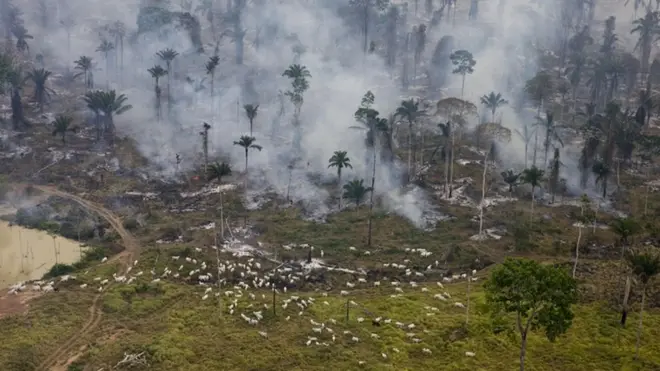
<point>57,361</point>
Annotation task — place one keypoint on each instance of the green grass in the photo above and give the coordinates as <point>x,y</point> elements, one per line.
<point>179,331</point>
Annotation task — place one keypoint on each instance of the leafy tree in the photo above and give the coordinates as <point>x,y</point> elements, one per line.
<point>62,125</point>
<point>356,191</point>
<point>464,65</point>
<point>251,111</point>
<point>340,160</point>
<point>42,92</point>
<point>85,64</point>
<point>539,88</point>
<point>645,266</point>
<point>511,178</point>
<point>534,177</point>
<point>21,34</point>
<point>540,296</point>
<point>105,48</point>
<point>156,73</point>
<point>299,75</point>
<point>493,101</point>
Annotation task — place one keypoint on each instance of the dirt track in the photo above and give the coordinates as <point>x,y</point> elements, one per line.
<point>58,359</point>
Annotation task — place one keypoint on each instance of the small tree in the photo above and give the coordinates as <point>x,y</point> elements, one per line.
<point>61,126</point>
<point>645,266</point>
<point>540,296</point>
<point>340,160</point>
<point>356,191</point>
<point>493,101</point>
<point>247,142</point>
<point>511,178</point>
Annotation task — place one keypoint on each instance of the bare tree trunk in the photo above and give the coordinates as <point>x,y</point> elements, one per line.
<point>626,296</point>
<point>451,166</point>
<point>641,316</point>
<point>523,351</point>
<point>467,307</point>
<point>371,199</point>
<point>577,250</point>
<point>483,196</point>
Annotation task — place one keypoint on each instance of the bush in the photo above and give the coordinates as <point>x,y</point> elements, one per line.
<point>59,270</point>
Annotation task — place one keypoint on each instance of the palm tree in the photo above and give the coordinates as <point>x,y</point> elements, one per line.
<point>645,266</point>
<point>247,142</point>
<point>157,72</point>
<point>539,88</point>
<point>105,48</point>
<point>551,133</point>
<point>41,92</point>
<point>493,101</point>
<point>61,126</point>
<point>511,179</point>
<point>108,103</point>
<point>217,171</point>
<point>602,172</point>
<point>356,191</point>
<point>251,113</point>
<point>647,28</point>
<point>210,70</point>
<point>22,35</point>
<point>118,30</point>
<point>85,64</point>
<point>340,160</point>
<point>526,135</point>
<point>409,111</point>
<point>534,177</point>
<point>167,56</point>
<point>299,83</point>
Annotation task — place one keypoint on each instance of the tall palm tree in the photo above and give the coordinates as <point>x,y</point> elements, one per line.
<point>647,28</point>
<point>105,48</point>
<point>410,111</point>
<point>157,72</point>
<point>167,56</point>
<point>493,101</point>
<point>551,134</point>
<point>356,191</point>
<point>298,74</point>
<point>39,77</point>
<point>534,177</point>
<point>446,134</point>
<point>62,125</point>
<point>645,266</point>
<point>210,66</point>
<point>118,30</point>
<point>340,160</point>
<point>109,104</point>
<point>247,142</point>
<point>85,64</point>
<point>539,88</point>
<point>251,111</point>
<point>527,133</point>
